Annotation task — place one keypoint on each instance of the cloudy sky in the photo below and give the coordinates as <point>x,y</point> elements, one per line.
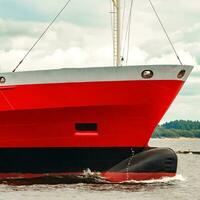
<point>82,37</point>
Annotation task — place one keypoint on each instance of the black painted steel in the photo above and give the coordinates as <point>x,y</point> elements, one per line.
<point>47,160</point>
<point>57,160</point>
<point>150,160</point>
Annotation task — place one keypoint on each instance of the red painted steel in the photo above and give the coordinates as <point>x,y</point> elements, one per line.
<point>117,177</point>
<point>113,177</point>
<point>44,115</point>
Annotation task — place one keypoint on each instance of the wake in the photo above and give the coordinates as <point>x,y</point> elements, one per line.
<point>177,178</point>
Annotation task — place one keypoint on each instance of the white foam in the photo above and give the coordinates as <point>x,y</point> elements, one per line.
<point>178,177</point>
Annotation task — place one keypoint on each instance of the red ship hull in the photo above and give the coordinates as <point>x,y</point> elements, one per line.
<point>45,115</point>
<point>85,113</point>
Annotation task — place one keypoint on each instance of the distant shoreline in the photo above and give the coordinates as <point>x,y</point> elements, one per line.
<point>178,138</point>
<point>178,129</point>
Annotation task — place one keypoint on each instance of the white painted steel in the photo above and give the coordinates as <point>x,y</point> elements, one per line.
<point>97,74</point>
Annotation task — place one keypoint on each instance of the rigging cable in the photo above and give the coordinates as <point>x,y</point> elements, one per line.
<point>129,32</point>
<point>127,35</point>
<point>165,31</point>
<point>47,28</point>
<point>111,20</point>
<point>123,19</point>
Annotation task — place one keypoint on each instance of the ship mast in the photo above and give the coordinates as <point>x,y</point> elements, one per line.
<point>116,33</point>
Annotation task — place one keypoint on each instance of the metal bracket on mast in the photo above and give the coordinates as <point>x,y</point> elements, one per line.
<point>116,33</point>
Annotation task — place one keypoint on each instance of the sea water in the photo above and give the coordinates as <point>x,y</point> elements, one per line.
<point>185,186</point>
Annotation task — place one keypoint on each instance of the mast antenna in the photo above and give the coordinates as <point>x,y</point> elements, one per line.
<point>116,33</point>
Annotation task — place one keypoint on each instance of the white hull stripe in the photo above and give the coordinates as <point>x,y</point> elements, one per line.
<point>68,75</point>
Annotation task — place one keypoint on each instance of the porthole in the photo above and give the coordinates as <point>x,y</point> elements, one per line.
<point>147,74</point>
<point>181,74</point>
<point>2,80</point>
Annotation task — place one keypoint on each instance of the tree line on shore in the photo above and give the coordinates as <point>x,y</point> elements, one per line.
<point>177,129</point>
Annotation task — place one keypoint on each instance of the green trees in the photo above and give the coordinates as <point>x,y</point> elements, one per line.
<point>178,128</point>
<point>182,125</point>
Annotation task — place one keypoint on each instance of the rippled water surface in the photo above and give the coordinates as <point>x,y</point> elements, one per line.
<point>186,185</point>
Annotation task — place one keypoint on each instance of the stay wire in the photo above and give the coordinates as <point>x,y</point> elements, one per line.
<point>165,31</point>
<point>129,32</point>
<point>111,22</point>
<point>123,18</point>
<point>47,28</point>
